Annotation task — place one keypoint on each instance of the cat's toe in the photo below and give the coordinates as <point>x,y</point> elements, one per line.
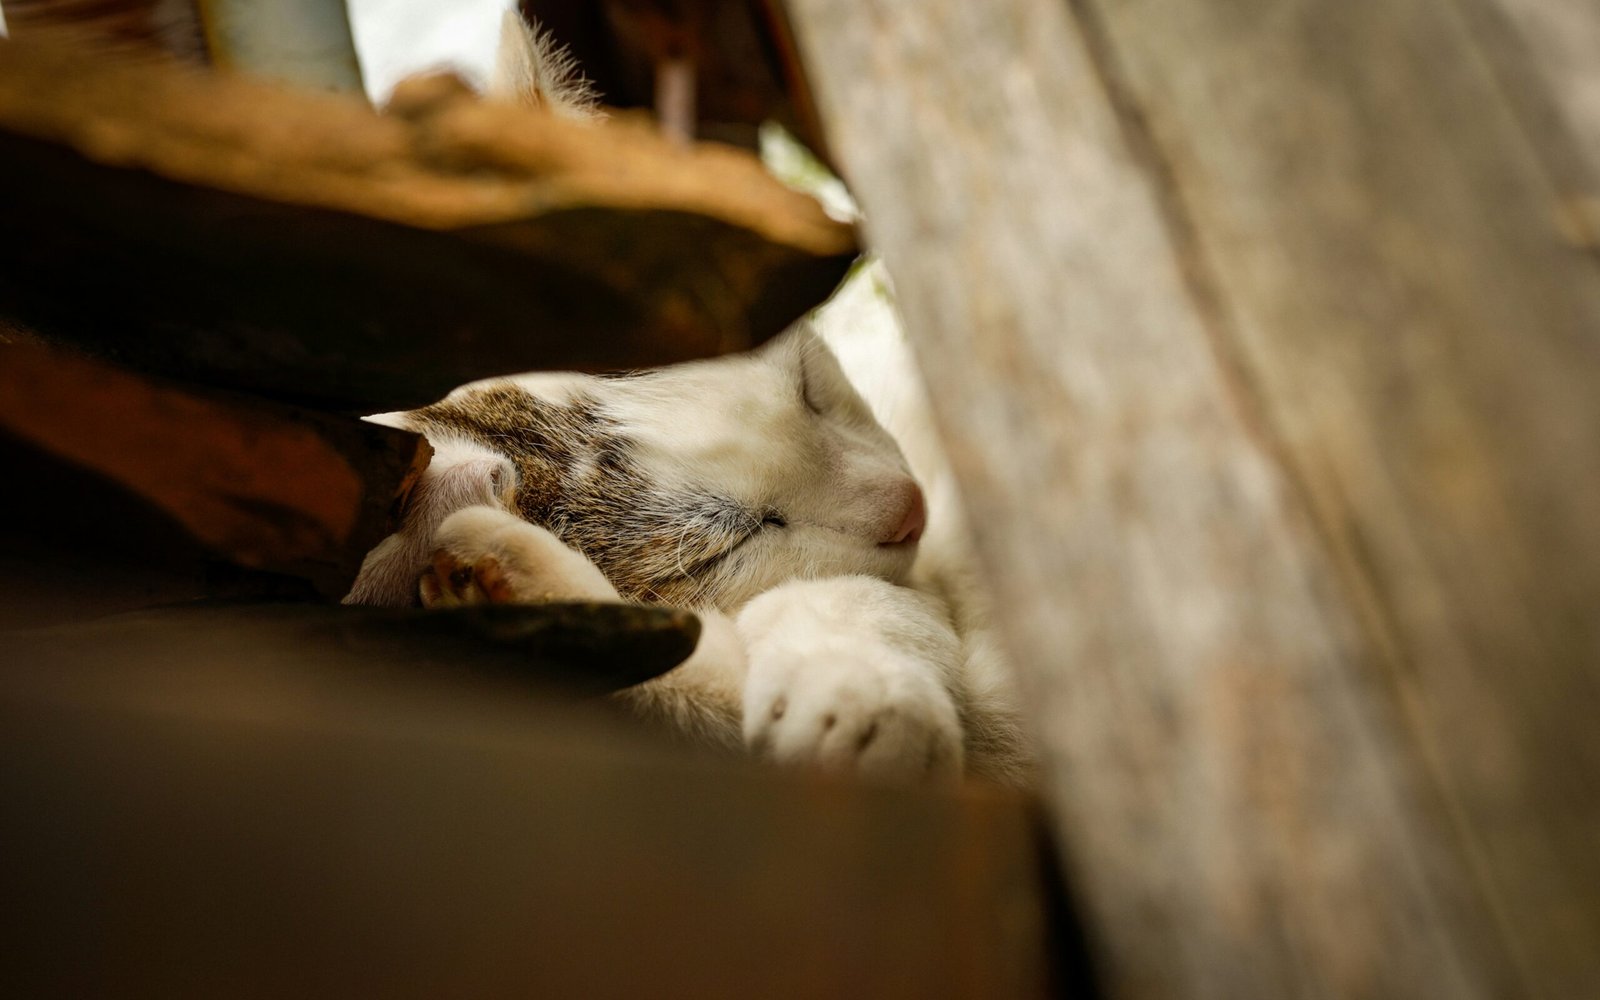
<point>873,718</point>
<point>899,741</point>
<point>451,581</point>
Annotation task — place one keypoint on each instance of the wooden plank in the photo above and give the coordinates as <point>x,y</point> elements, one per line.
<point>302,245</point>
<point>78,547</point>
<point>1546,54</point>
<point>571,647</point>
<point>1426,341</point>
<point>170,27</point>
<point>213,828</point>
<point>1259,750</point>
<point>265,486</point>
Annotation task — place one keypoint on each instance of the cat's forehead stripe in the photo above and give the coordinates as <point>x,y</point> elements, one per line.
<point>577,478</point>
<point>506,415</point>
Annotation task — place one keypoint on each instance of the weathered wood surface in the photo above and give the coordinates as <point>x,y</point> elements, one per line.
<point>1426,341</point>
<point>265,486</point>
<point>211,828</point>
<point>1271,381</point>
<point>1547,56</point>
<point>220,229</point>
<point>78,547</point>
<point>162,26</point>
<point>574,647</point>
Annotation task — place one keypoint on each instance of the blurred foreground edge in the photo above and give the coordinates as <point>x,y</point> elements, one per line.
<point>189,828</point>
<point>301,245</point>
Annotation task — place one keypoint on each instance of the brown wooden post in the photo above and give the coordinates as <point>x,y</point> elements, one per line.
<point>1274,385</point>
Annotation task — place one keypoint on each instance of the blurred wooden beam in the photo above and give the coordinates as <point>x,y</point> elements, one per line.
<point>208,827</point>
<point>1546,54</point>
<point>1271,379</point>
<point>131,27</point>
<point>298,244</point>
<point>543,649</point>
<point>265,486</point>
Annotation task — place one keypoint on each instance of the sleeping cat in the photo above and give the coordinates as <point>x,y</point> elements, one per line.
<point>840,626</point>
<point>758,490</point>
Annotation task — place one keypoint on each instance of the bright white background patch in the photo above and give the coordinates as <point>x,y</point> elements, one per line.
<point>396,38</point>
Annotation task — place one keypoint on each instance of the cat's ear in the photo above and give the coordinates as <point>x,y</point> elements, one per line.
<point>463,482</point>
<point>530,68</point>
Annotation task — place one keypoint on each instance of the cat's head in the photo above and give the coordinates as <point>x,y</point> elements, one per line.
<point>700,484</point>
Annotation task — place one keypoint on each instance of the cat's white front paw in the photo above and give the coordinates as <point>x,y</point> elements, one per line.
<point>833,680</point>
<point>485,555</point>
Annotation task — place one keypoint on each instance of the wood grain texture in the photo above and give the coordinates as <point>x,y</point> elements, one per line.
<point>302,245</point>
<point>1426,341</point>
<point>262,485</point>
<point>170,27</point>
<point>1271,386</point>
<point>572,648</point>
<point>205,827</point>
<point>1547,56</point>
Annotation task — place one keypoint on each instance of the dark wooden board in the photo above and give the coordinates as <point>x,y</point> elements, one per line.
<point>298,244</point>
<point>581,647</point>
<point>263,485</point>
<point>184,829</point>
<point>1268,363</point>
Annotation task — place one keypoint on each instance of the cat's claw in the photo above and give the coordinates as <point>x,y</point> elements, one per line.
<point>485,555</point>
<point>450,582</point>
<point>848,698</point>
<point>847,714</point>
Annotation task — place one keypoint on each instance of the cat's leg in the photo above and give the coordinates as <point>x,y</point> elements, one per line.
<point>852,672</point>
<point>702,698</point>
<point>462,474</point>
<point>484,555</point>
<point>998,746</point>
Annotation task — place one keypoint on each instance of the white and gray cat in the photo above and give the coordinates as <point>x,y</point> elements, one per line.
<point>765,493</point>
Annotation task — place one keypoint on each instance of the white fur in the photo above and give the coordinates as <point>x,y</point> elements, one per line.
<point>461,474</point>
<point>816,649</point>
<point>821,644</point>
<point>861,326</point>
<point>852,672</point>
<point>530,68</point>
<point>535,565</point>
<point>742,424</point>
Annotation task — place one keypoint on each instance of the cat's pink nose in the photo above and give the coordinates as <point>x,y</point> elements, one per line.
<point>912,522</point>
